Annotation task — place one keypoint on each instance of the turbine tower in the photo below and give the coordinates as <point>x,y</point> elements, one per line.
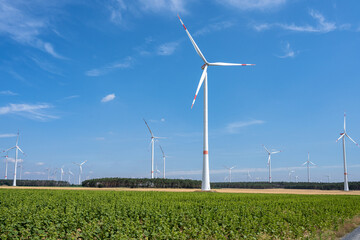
<point>164,158</point>
<point>290,173</point>
<point>205,186</point>
<point>70,174</point>
<point>62,173</point>
<point>230,168</point>
<point>17,148</point>
<point>80,169</point>
<point>269,161</point>
<point>346,185</point>
<point>153,139</point>
<point>308,162</point>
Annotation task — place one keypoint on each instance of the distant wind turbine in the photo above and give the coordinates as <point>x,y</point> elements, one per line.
<point>205,186</point>
<point>6,164</point>
<point>164,158</point>
<point>248,176</point>
<point>290,173</point>
<point>62,173</point>
<point>17,148</point>
<point>269,161</point>
<point>346,185</point>
<point>80,169</point>
<point>48,171</point>
<point>153,139</point>
<point>230,168</point>
<point>70,174</point>
<point>308,162</point>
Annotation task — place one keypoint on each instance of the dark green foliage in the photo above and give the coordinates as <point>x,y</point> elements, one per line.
<point>75,214</point>
<point>142,183</point>
<point>287,185</point>
<point>35,183</point>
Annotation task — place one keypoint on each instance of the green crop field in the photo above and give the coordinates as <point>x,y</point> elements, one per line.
<point>71,214</point>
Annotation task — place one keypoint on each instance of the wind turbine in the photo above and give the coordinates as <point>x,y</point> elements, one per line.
<point>16,147</point>
<point>290,173</point>
<point>297,179</point>
<point>308,162</point>
<point>230,168</point>
<point>153,139</point>
<point>346,185</point>
<point>205,186</point>
<point>61,173</point>
<point>269,160</point>
<point>6,164</point>
<point>164,159</point>
<point>248,175</point>
<point>328,178</point>
<point>70,174</point>
<point>157,171</point>
<point>48,170</point>
<point>80,167</point>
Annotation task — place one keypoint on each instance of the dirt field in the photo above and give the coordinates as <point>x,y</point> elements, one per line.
<point>223,190</point>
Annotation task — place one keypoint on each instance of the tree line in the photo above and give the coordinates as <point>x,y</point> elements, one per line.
<point>34,183</point>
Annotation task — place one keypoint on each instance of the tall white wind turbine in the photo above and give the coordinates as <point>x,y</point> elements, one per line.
<point>205,186</point>
<point>70,174</point>
<point>164,159</point>
<point>269,161</point>
<point>17,148</point>
<point>6,164</point>
<point>62,173</point>
<point>346,185</point>
<point>230,168</point>
<point>80,169</point>
<point>290,174</point>
<point>153,139</point>
<point>308,162</point>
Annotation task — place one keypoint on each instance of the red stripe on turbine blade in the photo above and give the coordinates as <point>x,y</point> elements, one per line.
<point>195,97</point>
<point>345,174</point>
<point>205,152</point>
<point>184,27</point>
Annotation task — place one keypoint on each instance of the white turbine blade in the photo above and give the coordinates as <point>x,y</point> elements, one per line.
<point>20,149</point>
<point>162,150</point>
<point>352,140</point>
<point>148,128</point>
<point>275,152</point>
<point>304,163</point>
<point>83,162</point>
<point>269,159</point>
<point>9,149</point>
<point>312,163</point>
<point>229,64</point>
<point>266,149</point>
<point>76,164</point>
<point>342,135</point>
<point>202,78</point>
<point>197,49</point>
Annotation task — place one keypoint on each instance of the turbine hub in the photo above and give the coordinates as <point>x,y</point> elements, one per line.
<point>203,66</point>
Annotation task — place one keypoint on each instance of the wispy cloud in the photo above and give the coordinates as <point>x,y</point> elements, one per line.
<point>31,111</point>
<point>214,27</point>
<point>236,126</point>
<point>7,135</point>
<point>20,25</point>
<point>100,138</point>
<point>164,6</point>
<point>108,98</point>
<point>39,163</point>
<point>157,121</point>
<point>253,4</point>
<point>167,48</point>
<point>322,25</point>
<point>12,160</point>
<point>34,173</point>
<point>8,93</point>
<point>288,51</point>
<point>126,63</point>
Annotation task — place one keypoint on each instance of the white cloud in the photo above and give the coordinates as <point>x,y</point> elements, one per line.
<point>39,163</point>
<point>214,27</point>
<point>20,25</point>
<point>8,93</point>
<point>7,135</point>
<point>34,173</point>
<point>116,11</point>
<point>322,25</point>
<point>32,111</point>
<point>108,98</point>
<point>288,52</point>
<point>100,138</point>
<point>157,6</point>
<point>235,126</point>
<point>12,160</point>
<point>167,48</point>
<point>126,63</point>
<point>253,4</point>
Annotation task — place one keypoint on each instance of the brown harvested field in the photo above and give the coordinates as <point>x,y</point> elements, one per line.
<point>223,190</point>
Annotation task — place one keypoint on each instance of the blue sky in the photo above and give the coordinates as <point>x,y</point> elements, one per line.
<point>78,77</point>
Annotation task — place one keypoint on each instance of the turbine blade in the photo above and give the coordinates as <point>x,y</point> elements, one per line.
<point>352,140</point>
<point>229,64</point>
<point>342,135</point>
<point>197,49</point>
<point>9,149</point>
<point>162,150</point>
<point>312,163</point>
<point>203,76</point>
<point>83,162</point>
<point>20,149</point>
<point>266,148</point>
<point>148,128</point>
<point>275,152</point>
<point>304,163</point>
<point>269,160</point>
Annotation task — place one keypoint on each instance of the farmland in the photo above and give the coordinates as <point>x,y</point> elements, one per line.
<point>69,214</point>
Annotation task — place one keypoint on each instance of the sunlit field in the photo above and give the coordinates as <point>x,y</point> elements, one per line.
<point>69,214</point>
